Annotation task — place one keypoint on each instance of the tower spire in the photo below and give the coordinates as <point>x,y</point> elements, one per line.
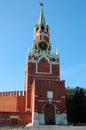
<point>41,34</point>
<point>41,17</point>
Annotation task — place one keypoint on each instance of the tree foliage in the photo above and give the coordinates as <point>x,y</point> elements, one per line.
<point>79,106</point>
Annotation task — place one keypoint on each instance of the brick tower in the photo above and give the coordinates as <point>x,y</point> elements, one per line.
<point>44,91</point>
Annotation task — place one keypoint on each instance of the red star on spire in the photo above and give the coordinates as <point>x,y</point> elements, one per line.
<point>41,4</point>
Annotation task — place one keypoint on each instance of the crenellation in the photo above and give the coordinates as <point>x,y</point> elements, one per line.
<point>21,93</point>
<point>12,93</point>
<point>4,93</point>
<point>17,93</point>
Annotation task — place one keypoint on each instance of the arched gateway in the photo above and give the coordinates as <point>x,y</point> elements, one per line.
<point>49,114</point>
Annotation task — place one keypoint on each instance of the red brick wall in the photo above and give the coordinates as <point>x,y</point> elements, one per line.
<point>43,66</point>
<point>25,118</point>
<point>41,96</point>
<point>55,70</point>
<point>12,102</point>
<point>21,103</point>
<point>8,103</point>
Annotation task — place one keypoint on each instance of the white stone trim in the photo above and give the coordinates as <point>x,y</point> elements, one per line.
<point>44,76</point>
<point>42,73</point>
<point>50,68</point>
<point>61,119</point>
<point>36,96</point>
<point>42,100</point>
<point>48,100</point>
<point>58,101</point>
<point>14,117</point>
<point>36,67</point>
<point>54,63</point>
<point>35,119</point>
<point>39,119</point>
<point>28,109</point>
<point>42,33</point>
<point>43,55</point>
<point>63,97</point>
<point>36,61</point>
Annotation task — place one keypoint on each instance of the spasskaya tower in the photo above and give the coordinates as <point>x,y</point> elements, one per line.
<point>44,91</point>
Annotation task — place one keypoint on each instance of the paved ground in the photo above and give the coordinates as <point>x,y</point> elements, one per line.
<point>47,128</point>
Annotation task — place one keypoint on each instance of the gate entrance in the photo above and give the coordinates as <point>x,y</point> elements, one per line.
<point>49,114</point>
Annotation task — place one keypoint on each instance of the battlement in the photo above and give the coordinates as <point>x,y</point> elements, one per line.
<point>12,93</point>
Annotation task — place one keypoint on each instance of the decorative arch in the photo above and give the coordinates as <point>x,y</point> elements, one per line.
<point>49,114</point>
<point>43,65</point>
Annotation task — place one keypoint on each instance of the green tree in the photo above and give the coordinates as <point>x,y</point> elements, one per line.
<point>79,106</point>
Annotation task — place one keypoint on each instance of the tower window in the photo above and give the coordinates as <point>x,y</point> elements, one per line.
<point>47,30</point>
<point>37,29</point>
<point>42,27</point>
<point>49,94</point>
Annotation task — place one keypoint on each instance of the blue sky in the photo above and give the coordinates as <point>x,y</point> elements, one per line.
<point>67,22</point>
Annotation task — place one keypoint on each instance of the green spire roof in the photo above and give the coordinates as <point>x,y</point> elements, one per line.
<point>41,17</point>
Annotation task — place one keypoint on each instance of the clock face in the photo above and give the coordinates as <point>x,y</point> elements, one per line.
<point>42,45</point>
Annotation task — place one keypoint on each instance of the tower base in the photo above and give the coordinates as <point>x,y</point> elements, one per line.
<point>39,119</point>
